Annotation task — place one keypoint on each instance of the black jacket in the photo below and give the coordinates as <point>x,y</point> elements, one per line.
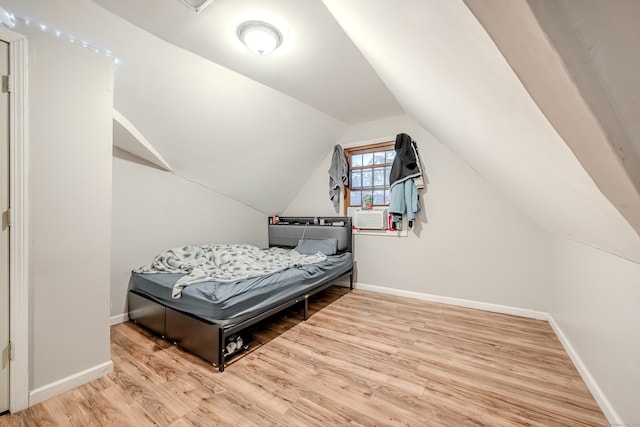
<point>406,163</point>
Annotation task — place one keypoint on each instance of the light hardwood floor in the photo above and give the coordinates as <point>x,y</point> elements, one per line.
<point>361,359</point>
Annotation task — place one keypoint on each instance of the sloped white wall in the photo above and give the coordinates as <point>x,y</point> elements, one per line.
<point>469,242</point>
<point>595,300</point>
<point>447,73</point>
<point>581,74</point>
<point>154,210</point>
<point>69,197</point>
<point>201,117</point>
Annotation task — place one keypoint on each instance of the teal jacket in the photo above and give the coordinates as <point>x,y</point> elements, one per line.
<point>404,200</point>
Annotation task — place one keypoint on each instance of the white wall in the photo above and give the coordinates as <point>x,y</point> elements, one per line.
<point>596,304</point>
<point>154,210</point>
<point>469,242</point>
<point>69,196</point>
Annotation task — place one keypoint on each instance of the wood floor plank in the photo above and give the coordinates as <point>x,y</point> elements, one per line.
<point>37,415</point>
<point>361,359</point>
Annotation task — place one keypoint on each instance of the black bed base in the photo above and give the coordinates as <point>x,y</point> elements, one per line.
<point>198,336</point>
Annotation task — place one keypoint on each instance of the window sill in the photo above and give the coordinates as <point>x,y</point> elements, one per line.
<point>385,233</point>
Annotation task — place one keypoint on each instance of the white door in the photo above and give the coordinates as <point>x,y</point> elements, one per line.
<point>4,231</point>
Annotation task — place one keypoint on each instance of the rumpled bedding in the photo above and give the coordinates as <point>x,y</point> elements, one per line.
<point>224,263</point>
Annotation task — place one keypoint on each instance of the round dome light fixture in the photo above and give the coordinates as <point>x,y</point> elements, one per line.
<point>260,37</point>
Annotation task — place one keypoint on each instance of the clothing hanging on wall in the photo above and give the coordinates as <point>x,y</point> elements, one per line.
<point>404,201</point>
<point>338,175</point>
<point>406,179</point>
<point>407,164</point>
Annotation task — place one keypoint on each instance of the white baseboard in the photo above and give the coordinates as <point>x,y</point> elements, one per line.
<point>608,411</point>
<point>120,318</point>
<point>65,384</point>
<point>496,308</point>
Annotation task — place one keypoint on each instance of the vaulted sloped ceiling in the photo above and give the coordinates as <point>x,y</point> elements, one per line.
<point>448,74</point>
<point>254,127</point>
<point>128,138</point>
<point>580,66</point>
<point>316,64</point>
<point>212,125</point>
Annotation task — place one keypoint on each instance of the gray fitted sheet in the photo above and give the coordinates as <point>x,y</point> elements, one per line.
<point>230,303</point>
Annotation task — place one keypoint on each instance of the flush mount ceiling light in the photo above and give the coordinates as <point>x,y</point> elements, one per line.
<point>260,37</point>
<point>197,5</point>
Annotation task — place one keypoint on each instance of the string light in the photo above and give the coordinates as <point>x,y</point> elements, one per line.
<point>11,19</point>
<point>6,18</point>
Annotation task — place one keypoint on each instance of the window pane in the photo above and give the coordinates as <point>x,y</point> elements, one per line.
<point>378,176</point>
<point>356,198</point>
<point>378,158</point>
<point>369,174</point>
<point>378,197</point>
<point>356,179</point>
<point>387,197</point>
<point>367,179</point>
<point>390,156</point>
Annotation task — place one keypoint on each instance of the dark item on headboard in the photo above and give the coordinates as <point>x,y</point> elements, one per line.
<point>208,339</point>
<point>288,231</point>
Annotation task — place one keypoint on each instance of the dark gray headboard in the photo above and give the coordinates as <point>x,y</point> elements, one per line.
<point>289,230</point>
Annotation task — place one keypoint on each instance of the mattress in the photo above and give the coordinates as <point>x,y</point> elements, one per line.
<point>230,303</point>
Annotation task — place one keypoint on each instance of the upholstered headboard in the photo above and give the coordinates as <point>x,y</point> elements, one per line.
<point>289,230</point>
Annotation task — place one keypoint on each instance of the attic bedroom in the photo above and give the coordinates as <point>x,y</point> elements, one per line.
<point>137,127</point>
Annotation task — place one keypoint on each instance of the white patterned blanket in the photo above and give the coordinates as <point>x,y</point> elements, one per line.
<point>224,263</point>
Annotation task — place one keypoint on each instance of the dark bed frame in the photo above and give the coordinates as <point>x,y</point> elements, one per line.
<point>208,340</point>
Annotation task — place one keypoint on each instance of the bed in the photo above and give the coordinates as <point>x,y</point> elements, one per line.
<point>209,317</point>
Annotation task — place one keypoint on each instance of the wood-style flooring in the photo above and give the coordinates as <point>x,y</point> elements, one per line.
<point>362,358</point>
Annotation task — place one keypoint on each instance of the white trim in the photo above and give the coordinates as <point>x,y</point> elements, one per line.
<point>65,384</point>
<point>612,416</point>
<point>381,233</point>
<point>18,233</point>
<point>496,308</point>
<point>119,318</point>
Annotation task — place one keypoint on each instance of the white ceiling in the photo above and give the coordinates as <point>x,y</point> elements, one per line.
<point>253,128</point>
<point>564,70</point>
<point>317,63</point>
<point>609,34</point>
<point>597,44</point>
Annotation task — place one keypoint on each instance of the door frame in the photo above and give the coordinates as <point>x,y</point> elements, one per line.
<point>18,232</point>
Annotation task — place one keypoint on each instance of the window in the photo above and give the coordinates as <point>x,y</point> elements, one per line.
<point>369,169</point>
